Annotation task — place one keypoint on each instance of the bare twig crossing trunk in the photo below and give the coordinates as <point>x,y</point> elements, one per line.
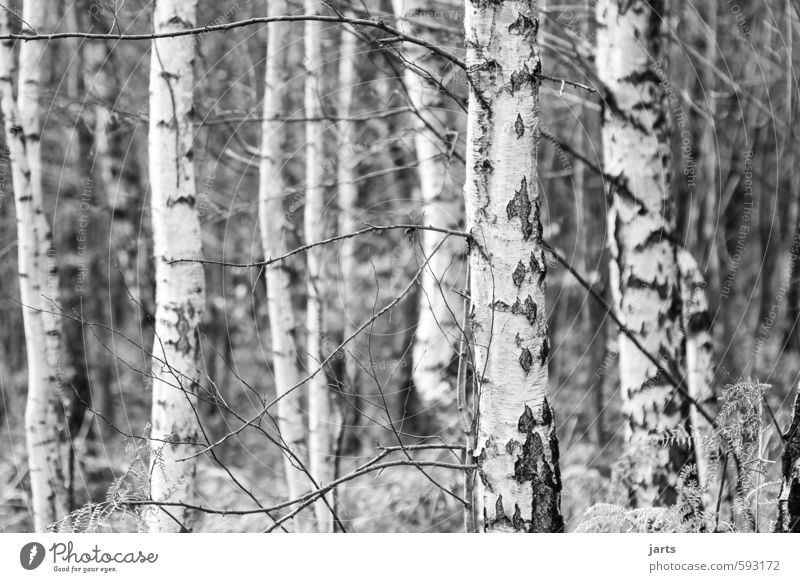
<point>437,335</point>
<point>38,277</point>
<point>519,483</point>
<point>643,270</point>
<point>272,221</point>
<point>319,405</point>
<point>699,364</point>
<point>180,286</point>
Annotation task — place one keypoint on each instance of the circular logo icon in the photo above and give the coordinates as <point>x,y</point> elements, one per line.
<point>31,555</point>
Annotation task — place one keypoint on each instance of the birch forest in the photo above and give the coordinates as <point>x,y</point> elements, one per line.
<point>348,266</point>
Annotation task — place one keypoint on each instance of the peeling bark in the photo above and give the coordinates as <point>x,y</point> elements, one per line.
<point>643,269</point>
<point>38,276</point>
<point>519,483</point>
<point>180,287</point>
<point>273,221</point>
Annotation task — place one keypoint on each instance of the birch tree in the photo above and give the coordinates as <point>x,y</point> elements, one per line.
<point>272,221</point>
<point>643,270</point>
<point>38,276</point>
<point>699,365</point>
<point>347,195</point>
<point>106,187</point>
<point>437,332</point>
<point>519,483</point>
<point>319,406</point>
<point>180,286</point>
<point>789,498</point>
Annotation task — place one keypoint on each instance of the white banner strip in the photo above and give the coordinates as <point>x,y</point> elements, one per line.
<point>399,557</point>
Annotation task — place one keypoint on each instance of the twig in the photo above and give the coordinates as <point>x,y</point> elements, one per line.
<point>630,335</point>
<point>330,356</point>
<point>369,229</point>
<point>380,25</point>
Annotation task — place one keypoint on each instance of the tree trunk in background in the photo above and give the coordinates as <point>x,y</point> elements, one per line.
<point>591,240</point>
<point>101,189</point>
<point>789,499</point>
<point>319,409</point>
<point>711,224</point>
<point>180,287</point>
<point>768,271</point>
<point>437,335</point>
<point>699,362</point>
<point>643,268</point>
<point>793,294</point>
<point>272,221</point>
<point>347,196</point>
<point>519,481</point>
<point>38,277</point>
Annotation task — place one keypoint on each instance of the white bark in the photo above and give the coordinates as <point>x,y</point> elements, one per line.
<point>319,406</point>
<point>437,336</point>
<point>180,287</point>
<point>699,364</point>
<point>517,451</point>
<point>347,194</point>
<point>272,221</point>
<point>38,278</point>
<point>643,270</point>
<point>100,84</point>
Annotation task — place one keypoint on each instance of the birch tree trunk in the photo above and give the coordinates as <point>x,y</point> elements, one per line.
<point>711,223</point>
<point>272,221</point>
<point>103,189</point>
<point>180,287</point>
<point>437,334</point>
<point>643,270</point>
<point>319,409</point>
<point>699,362</point>
<point>38,276</point>
<point>347,197</point>
<point>519,481</point>
<point>789,498</point>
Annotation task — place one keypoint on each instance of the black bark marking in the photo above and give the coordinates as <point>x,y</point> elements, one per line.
<point>520,206</point>
<point>538,465</point>
<point>538,266</point>
<point>519,126</point>
<point>512,446</point>
<point>187,333</point>
<point>501,306</point>
<point>699,322</point>
<point>522,77</point>
<point>187,199</point>
<point>530,310</point>
<point>544,351</point>
<point>526,359</point>
<point>535,267</point>
<point>523,25</point>
<point>517,522</point>
<point>527,308</point>
<point>518,276</point>
<point>498,508</point>
<point>789,501</point>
